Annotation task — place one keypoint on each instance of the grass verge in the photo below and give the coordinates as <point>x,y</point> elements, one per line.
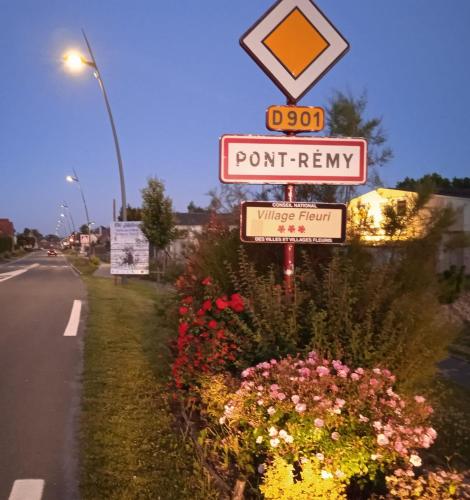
<point>130,446</point>
<point>83,264</point>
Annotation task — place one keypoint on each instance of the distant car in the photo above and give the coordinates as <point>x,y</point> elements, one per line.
<point>51,253</point>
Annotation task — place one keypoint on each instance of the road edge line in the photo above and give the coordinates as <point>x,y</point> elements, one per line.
<point>74,320</point>
<point>27,489</point>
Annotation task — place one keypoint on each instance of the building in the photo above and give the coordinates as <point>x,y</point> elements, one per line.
<point>369,209</point>
<point>189,225</point>
<point>7,228</point>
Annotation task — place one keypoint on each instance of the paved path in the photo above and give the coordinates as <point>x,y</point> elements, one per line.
<point>41,299</point>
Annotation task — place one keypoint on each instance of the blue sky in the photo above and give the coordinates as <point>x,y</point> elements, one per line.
<point>177,80</point>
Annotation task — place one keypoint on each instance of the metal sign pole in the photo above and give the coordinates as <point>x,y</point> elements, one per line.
<point>289,256</point>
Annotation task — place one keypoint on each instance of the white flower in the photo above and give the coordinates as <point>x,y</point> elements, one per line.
<point>274,442</point>
<point>415,460</point>
<point>382,439</point>
<point>326,475</point>
<point>222,420</point>
<point>283,434</point>
<point>259,439</point>
<point>272,431</point>
<point>320,456</point>
<point>289,439</point>
<point>295,399</point>
<point>271,410</point>
<point>260,402</point>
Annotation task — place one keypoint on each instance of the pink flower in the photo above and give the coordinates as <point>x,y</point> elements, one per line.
<point>335,436</point>
<point>362,418</point>
<point>320,456</point>
<point>420,399</point>
<point>322,371</point>
<point>295,399</point>
<point>382,439</point>
<point>300,407</point>
<point>340,402</point>
<point>319,422</point>
<point>281,396</point>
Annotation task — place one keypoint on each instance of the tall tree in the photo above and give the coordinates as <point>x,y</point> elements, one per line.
<point>346,118</point>
<point>157,214</point>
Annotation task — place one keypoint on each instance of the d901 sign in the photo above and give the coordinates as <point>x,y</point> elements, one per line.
<point>295,118</point>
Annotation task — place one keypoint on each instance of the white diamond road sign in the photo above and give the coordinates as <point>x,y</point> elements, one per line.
<point>295,44</point>
<point>271,159</point>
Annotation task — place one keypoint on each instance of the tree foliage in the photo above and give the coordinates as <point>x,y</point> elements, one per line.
<point>434,182</point>
<point>157,214</point>
<point>346,118</point>
<point>133,213</point>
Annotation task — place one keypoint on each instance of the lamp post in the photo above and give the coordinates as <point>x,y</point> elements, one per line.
<point>74,178</point>
<point>76,62</point>
<point>65,206</point>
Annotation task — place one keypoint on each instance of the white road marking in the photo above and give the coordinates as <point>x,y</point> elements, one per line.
<point>12,274</point>
<point>27,489</point>
<point>72,326</point>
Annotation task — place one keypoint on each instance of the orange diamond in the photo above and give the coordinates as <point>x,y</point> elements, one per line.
<point>295,43</point>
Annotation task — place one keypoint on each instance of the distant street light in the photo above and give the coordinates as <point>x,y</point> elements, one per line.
<point>69,213</point>
<point>74,178</point>
<point>75,62</point>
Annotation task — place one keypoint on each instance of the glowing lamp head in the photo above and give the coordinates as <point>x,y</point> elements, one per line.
<point>74,61</point>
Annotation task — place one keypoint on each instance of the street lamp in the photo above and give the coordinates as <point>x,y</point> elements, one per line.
<point>74,178</point>
<point>69,213</point>
<point>75,62</point>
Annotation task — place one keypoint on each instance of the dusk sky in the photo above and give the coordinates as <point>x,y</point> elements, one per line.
<point>177,80</point>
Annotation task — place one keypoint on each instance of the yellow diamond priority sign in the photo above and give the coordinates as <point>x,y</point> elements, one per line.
<point>295,44</point>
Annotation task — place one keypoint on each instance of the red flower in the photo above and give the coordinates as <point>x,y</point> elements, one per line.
<point>187,300</point>
<point>212,324</point>
<point>183,328</point>
<point>236,303</point>
<point>207,305</point>
<point>201,312</point>
<point>207,281</point>
<point>220,334</point>
<point>183,310</point>
<point>221,303</point>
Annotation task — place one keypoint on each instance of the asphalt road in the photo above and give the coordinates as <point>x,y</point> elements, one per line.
<point>40,372</point>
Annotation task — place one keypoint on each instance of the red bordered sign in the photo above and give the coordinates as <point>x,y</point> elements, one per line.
<point>256,159</point>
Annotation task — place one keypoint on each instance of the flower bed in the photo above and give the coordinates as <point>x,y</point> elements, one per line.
<point>301,428</point>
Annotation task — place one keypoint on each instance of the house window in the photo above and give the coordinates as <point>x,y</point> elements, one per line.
<point>401,208</point>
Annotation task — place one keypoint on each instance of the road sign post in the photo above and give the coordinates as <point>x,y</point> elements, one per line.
<point>295,44</point>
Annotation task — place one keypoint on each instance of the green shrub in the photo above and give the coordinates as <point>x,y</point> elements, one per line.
<point>452,282</point>
<point>6,244</point>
